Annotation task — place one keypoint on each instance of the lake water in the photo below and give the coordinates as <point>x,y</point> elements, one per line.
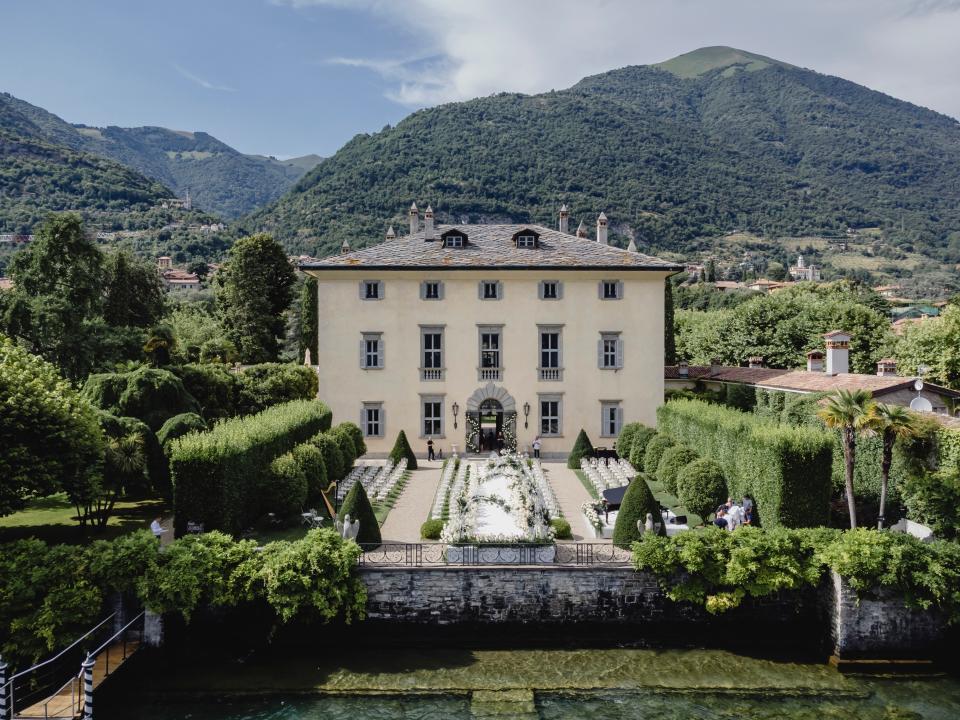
<point>545,684</point>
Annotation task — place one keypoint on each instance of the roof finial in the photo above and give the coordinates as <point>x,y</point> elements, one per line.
<point>390,233</point>
<point>632,247</point>
<point>345,247</point>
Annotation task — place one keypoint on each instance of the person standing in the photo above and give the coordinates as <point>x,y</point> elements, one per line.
<point>430,453</point>
<point>536,447</point>
<point>157,529</point>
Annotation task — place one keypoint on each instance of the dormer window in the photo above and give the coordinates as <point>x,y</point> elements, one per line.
<point>526,239</point>
<point>453,239</point>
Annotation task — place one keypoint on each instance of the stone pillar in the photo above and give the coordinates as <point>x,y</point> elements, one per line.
<point>152,629</point>
<point>4,691</point>
<point>88,687</point>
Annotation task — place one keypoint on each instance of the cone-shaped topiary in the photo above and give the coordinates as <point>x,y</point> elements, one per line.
<point>636,503</point>
<point>701,486</point>
<point>655,448</point>
<point>402,449</point>
<point>357,506</point>
<point>674,460</point>
<point>332,457</point>
<point>641,438</point>
<point>581,448</point>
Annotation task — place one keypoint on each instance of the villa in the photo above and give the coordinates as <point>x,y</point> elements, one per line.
<point>481,336</point>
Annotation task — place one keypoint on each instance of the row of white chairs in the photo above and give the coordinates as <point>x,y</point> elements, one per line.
<point>605,473</point>
<point>545,489</point>
<point>443,490</point>
<point>388,477</point>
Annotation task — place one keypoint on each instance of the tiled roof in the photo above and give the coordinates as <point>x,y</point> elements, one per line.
<point>801,380</point>
<point>491,246</point>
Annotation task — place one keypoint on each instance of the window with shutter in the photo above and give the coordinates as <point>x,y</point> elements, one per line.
<point>371,419</point>
<point>610,351</point>
<point>371,351</point>
<point>550,290</point>
<point>371,290</point>
<point>610,289</point>
<point>611,416</point>
<point>431,290</point>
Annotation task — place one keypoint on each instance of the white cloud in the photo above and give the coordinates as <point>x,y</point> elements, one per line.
<point>907,48</point>
<point>200,81</point>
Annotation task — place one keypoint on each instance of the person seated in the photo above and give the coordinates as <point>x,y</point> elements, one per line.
<point>721,520</point>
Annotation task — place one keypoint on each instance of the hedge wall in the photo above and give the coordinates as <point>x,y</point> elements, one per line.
<point>216,474</point>
<point>786,470</point>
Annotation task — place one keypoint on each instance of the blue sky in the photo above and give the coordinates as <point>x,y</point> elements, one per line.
<point>290,77</point>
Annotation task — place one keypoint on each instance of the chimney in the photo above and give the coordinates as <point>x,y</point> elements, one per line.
<point>391,234</point>
<point>564,219</point>
<point>632,247</point>
<point>581,230</point>
<point>414,219</point>
<point>716,365</point>
<point>428,223</point>
<point>815,361</point>
<point>683,369</point>
<point>602,229</point>
<point>838,352</point>
<point>755,361</point>
<point>887,367</point>
<point>345,247</point>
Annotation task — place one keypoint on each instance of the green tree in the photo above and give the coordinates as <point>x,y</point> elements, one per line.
<point>582,447</point>
<point>401,449</point>
<point>710,274</point>
<point>935,343</point>
<point>357,506</point>
<point>133,293</point>
<point>159,346</point>
<point>890,422</point>
<point>701,486</point>
<point>253,292</point>
<point>49,435</point>
<point>178,426</point>
<point>637,502</point>
<point>308,338</point>
<point>193,326</point>
<point>332,457</point>
<point>200,268</point>
<point>148,394</point>
<point>669,330</point>
<point>848,411</point>
<point>57,293</point>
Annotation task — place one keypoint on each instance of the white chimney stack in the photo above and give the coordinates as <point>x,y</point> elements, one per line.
<point>602,229</point>
<point>887,367</point>
<point>564,219</point>
<point>581,230</point>
<point>344,247</point>
<point>632,247</point>
<point>838,352</point>
<point>414,219</point>
<point>428,223</point>
<point>391,234</point>
<point>815,361</point>
<point>683,369</point>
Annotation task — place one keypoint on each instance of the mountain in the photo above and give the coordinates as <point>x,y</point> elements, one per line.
<point>220,179</point>
<point>677,154</point>
<point>38,176</point>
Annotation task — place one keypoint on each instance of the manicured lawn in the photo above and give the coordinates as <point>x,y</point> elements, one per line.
<point>54,520</point>
<point>587,484</point>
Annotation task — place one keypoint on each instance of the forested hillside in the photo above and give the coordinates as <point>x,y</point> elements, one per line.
<point>220,179</point>
<point>714,141</point>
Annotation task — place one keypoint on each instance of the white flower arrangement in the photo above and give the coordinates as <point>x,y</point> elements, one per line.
<point>589,511</point>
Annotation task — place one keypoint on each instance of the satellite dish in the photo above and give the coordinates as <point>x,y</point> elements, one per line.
<point>921,404</point>
<point>918,384</point>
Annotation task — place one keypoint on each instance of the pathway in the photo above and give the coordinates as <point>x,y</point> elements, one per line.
<point>570,495</point>
<point>413,506</point>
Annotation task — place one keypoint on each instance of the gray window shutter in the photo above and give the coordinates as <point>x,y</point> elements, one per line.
<point>619,289</point>
<point>540,289</point>
<point>499,290</point>
<point>363,418</point>
<point>600,353</point>
<point>480,289</point>
<point>363,287</point>
<point>363,353</point>
<point>600,289</point>
<point>559,290</point>
<point>619,419</point>
<point>603,420</point>
<point>440,289</point>
<point>382,356</point>
<point>423,289</point>
<point>619,353</point>
<point>383,422</point>
<point>380,289</point>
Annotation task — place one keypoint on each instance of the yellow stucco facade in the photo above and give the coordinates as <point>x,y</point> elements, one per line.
<point>397,317</point>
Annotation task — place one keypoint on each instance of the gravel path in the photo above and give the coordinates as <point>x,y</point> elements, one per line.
<point>413,506</point>
<point>571,495</point>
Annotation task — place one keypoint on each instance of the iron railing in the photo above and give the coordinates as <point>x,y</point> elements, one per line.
<point>437,555</point>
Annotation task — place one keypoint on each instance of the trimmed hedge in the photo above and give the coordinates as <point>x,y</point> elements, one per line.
<point>701,487</point>
<point>357,506</point>
<point>310,460</point>
<point>673,460</point>
<point>148,394</point>
<point>285,489</point>
<point>344,440</point>
<point>356,434</point>
<point>178,426</point>
<point>217,475</point>
<point>401,449</point>
<point>332,457</point>
<point>561,529</point>
<point>624,442</point>
<point>431,529</point>
<point>656,447</point>
<point>581,448</point>
<point>786,470</point>
<point>636,503</point>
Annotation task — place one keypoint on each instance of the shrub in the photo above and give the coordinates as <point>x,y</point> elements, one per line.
<point>217,475</point>
<point>401,449</point>
<point>310,460</point>
<point>213,385</point>
<point>673,460</point>
<point>636,503</point>
<point>347,449</point>
<point>178,426</point>
<point>934,499</point>
<point>157,477</point>
<point>431,529</point>
<point>561,529</point>
<point>148,394</point>
<point>581,448</point>
<point>786,470</point>
<point>285,489</point>
<point>624,441</point>
<point>356,434</point>
<point>357,506</point>
<point>701,486</point>
<point>656,447</point>
<point>641,438</point>
<point>273,383</point>
<point>332,457</point>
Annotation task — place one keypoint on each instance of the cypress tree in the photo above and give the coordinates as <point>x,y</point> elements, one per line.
<point>357,506</point>
<point>637,502</point>
<point>581,448</point>
<point>402,449</point>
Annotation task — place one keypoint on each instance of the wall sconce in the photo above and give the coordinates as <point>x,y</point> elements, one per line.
<point>456,410</point>
<point>526,414</point>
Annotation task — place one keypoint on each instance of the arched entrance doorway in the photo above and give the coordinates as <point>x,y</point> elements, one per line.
<point>491,420</point>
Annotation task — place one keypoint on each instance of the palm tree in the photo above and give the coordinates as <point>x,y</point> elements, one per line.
<point>848,411</point>
<point>889,422</point>
<point>125,460</point>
